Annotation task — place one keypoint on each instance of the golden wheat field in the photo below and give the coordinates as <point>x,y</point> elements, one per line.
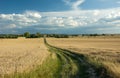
<point>22,55</point>
<point>18,55</point>
<point>102,50</point>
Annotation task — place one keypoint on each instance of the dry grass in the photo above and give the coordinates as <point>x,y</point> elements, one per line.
<point>18,55</point>
<point>101,50</point>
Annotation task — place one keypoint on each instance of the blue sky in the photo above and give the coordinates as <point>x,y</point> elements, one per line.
<point>60,16</point>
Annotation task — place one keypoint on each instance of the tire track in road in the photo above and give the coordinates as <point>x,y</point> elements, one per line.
<point>73,65</point>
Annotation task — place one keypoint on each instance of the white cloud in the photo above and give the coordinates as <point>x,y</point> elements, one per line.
<point>118,2</point>
<point>67,19</point>
<point>6,16</point>
<point>74,5</point>
<point>67,2</point>
<point>27,18</point>
<point>83,18</point>
<point>32,14</point>
<point>96,12</point>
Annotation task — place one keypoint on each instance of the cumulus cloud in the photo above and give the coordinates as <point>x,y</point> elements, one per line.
<point>66,19</point>
<point>82,18</point>
<point>27,18</point>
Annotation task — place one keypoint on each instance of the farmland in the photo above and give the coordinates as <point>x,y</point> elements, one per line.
<point>100,51</point>
<point>60,58</point>
<point>19,55</point>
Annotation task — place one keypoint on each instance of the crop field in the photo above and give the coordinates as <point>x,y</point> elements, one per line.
<point>19,55</point>
<point>60,58</point>
<point>103,52</point>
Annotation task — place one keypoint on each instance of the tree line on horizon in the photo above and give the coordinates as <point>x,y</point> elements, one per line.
<point>39,35</point>
<point>29,35</point>
<point>26,35</point>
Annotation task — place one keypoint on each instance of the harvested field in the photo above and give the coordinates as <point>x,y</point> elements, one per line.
<point>19,55</point>
<point>99,51</point>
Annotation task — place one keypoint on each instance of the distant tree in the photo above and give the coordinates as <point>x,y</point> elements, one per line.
<point>93,35</point>
<point>8,36</point>
<point>60,36</point>
<point>33,36</point>
<point>103,34</point>
<point>27,34</point>
<point>38,35</point>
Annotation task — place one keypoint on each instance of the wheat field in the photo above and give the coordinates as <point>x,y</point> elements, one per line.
<point>33,56</point>
<point>19,55</point>
<point>105,51</point>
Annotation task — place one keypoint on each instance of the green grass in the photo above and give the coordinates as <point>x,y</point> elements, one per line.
<point>71,66</point>
<point>49,69</point>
